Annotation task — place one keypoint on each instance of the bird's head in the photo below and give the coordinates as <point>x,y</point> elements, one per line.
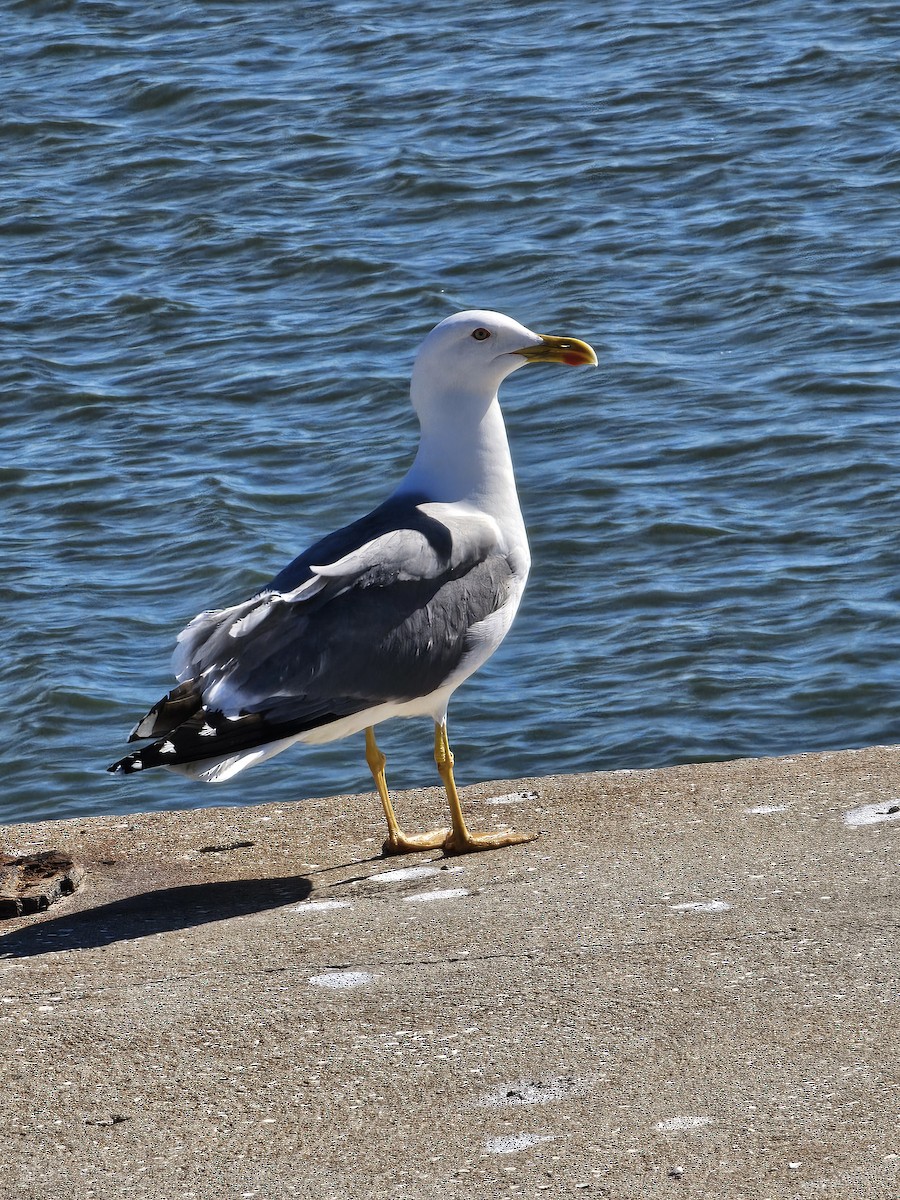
<point>469,355</point>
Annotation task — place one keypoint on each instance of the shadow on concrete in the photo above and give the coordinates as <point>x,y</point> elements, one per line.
<point>158,911</point>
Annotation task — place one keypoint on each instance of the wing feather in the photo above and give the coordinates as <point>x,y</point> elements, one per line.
<point>386,621</point>
<point>378,612</point>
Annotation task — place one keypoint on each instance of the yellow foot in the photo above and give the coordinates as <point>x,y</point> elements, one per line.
<point>456,843</point>
<point>408,843</point>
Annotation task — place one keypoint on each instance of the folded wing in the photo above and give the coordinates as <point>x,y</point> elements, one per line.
<point>379,612</point>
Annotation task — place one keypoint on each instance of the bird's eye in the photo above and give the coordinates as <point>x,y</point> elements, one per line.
<point>480,333</point>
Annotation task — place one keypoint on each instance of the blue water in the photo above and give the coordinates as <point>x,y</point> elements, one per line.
<point>226,226</point>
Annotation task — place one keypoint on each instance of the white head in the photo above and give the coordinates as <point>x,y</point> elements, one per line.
<point>467,357</point>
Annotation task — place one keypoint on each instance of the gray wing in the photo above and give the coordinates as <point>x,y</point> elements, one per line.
<point>387,621</point>
<point>384,610</point>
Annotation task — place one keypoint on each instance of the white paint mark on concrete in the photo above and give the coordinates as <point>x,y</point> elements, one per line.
<point>540,1092</point>
<point>763,810</point>
<point>513,798</point>
<point>873,814</point>
<point>680,1124</point>
<point>320,905</point>
<point>702,906</point>
<point>403,873</point>
<point>437,894</point>
<point>342,980</point>
<point>514,1142</point>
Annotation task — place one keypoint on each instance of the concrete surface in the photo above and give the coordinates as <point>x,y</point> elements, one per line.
<point>686,988</point>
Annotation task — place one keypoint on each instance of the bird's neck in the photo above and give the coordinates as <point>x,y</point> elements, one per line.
<point>460,461</point>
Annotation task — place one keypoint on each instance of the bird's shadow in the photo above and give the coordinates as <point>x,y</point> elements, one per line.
<point>161,910</point>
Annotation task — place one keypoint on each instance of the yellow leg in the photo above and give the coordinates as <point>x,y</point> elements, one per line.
<point>460,840</point>
<point>397,841</point>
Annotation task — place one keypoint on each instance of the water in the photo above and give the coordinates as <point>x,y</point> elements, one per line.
<point>226,226</point>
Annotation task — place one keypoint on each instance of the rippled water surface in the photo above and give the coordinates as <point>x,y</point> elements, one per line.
<point>226,226</point>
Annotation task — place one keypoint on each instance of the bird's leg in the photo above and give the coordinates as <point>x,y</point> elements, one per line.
<point>460,840</point>
<point>397,841</point>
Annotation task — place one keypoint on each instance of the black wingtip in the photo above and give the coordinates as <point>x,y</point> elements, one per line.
<point>182,703</point>
<point>126,766</point>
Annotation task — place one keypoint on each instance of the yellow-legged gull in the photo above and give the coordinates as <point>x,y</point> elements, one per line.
<point>385,617</point>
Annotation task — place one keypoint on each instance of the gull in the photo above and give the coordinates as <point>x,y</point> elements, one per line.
<point>385,617</point>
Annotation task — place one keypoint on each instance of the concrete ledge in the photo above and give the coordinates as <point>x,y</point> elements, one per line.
<point>687,987</point>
